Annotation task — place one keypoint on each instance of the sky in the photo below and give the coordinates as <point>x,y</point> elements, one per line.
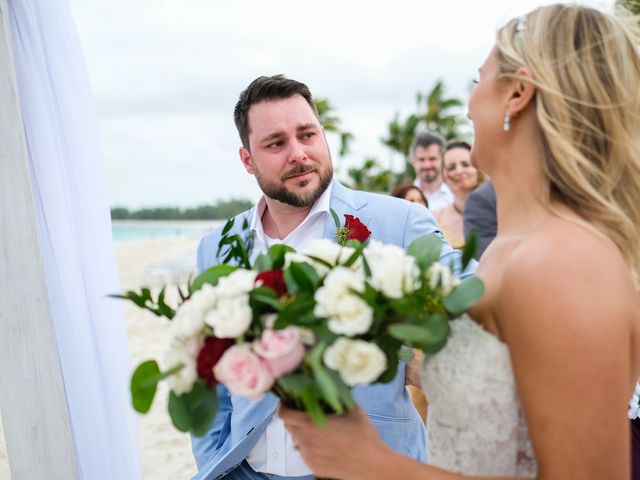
<point>166,75</point>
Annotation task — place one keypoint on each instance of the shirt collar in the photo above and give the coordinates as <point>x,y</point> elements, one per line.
<point>322,205</point>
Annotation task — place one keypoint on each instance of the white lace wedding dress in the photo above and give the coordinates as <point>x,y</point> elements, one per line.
<point>475,421</point>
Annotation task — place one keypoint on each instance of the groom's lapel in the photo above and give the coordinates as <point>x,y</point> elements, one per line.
<point>345,201</point>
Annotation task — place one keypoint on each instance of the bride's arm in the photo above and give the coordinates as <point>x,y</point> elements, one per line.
<point>566,313</point>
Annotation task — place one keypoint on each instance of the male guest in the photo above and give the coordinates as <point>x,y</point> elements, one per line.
<point>426,157</point>
<point>480,216</point>
<point>284,147</point>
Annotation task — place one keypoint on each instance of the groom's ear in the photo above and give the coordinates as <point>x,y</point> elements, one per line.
<point>245,158</point>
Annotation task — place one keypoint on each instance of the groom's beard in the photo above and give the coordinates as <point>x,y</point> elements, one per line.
<point>280,192</point>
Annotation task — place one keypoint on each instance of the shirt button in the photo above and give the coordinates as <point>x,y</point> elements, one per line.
<point>275,454</point>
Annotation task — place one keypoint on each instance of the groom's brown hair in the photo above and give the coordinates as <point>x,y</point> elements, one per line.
<point>277,87</point>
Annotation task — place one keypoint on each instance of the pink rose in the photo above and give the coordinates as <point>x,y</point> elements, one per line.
<point>243,372</point>
<point>282,350</point>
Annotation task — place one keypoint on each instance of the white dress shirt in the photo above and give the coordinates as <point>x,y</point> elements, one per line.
<point>438,199</point>
<point>275,453</point>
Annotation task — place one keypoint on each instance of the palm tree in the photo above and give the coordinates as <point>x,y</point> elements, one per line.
<point>632,5</point>
<point>435,111</point>
<point>331,123</point>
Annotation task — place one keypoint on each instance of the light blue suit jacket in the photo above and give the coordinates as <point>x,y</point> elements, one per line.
<point>240,422</point>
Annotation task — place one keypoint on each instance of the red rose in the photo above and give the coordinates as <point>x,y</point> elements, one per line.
<point>357,230</point>
<point>209,355</point>
<point>273,279</point>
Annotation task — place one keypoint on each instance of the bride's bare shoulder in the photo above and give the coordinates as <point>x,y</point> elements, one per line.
<point>567,269</point>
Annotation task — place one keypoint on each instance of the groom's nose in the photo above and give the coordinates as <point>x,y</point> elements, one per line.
<point>297,153</point>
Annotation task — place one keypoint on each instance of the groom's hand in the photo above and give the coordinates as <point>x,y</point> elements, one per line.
<point>412,370</point>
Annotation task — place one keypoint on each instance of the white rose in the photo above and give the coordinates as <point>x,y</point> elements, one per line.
<point>332,253</point>
<point>440,275</point>
<point>237,283</point>
<point>183,380</point>
<point>347,313</point>
<point>393,272</point>
<point>231,317</point>
<point>189,318</point>
<point>358,362</point>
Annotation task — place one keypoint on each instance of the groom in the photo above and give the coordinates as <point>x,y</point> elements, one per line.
<point>284,146</point>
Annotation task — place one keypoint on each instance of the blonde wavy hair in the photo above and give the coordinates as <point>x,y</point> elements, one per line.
<point>585,66</point>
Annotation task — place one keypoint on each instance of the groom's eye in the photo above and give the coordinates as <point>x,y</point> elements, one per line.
<point>308,135</point>
<point>276,144</point>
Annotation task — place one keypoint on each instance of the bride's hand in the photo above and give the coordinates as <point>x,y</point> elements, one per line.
<point>329,451</point>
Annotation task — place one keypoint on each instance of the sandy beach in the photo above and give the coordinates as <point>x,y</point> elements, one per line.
<point>165,452</point>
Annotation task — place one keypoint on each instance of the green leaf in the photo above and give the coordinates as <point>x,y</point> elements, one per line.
<point>438,327</point>
<point>263,263</point>
<point>228,226</point>
<point>294,383</point>
<point>163,308</point>
<point>409,333</point>
<point>336,219</point>
<point>354,256</point>
<point>265,296</point>
<point>426,250</point>
<point>144,383</point>
<point>211,276</point>
<point>344,392</point>
<point>193,411</point>
<point>310,400</point>
<point>390,348</point>
<point>327,388</point>
<point>470,248</point>
<point>277,253</point>
<point>405,354</point>
<point>464,296</point>
<point>292,312</point>
<point>301,277</point>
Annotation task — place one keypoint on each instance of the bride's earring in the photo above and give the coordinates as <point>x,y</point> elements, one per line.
<point>507,121</point>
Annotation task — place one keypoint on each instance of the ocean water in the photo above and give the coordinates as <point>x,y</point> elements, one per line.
<point>134,230</point>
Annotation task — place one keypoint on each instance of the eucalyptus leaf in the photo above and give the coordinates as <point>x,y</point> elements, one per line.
<point>263,263</point>
<point>426,250</point>
<point>464,296</point>
<point>409,333</point>
<point>144,383</point>
<point>193,411</point>
<point>406,354</point>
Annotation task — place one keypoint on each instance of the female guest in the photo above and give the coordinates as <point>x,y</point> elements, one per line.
<point>535,382</point>
<point>411,193</point>
<point>462,178</point>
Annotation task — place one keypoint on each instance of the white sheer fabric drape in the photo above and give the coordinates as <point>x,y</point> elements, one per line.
<point>69,187</point>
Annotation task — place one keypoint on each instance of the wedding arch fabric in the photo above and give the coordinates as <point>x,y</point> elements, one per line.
<point>69,188</point>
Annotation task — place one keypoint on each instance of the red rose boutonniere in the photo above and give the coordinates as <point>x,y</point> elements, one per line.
<point>353,229</point>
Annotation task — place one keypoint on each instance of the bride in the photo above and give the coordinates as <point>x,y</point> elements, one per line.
<point>535,381</point>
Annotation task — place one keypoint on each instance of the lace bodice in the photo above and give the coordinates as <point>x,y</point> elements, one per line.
<point>475,422</point>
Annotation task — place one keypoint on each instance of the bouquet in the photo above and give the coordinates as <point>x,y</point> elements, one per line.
<point>306,326</point>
